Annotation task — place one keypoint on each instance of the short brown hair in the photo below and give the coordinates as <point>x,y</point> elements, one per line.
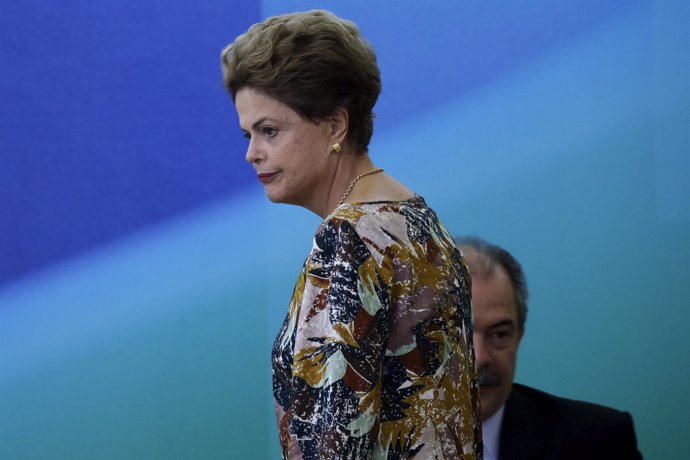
<point>313,62</point>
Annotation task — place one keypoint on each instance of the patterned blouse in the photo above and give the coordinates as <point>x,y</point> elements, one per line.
<point>375,358</point>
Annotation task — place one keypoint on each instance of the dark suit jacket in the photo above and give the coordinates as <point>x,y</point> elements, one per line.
<point>537,425</point>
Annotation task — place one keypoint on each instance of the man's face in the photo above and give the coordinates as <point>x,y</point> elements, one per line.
<point>496,338</point>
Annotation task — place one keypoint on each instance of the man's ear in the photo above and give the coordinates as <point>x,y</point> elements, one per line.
<point>339,123</point>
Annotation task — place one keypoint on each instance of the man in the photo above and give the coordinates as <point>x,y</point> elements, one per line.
<point>520,422</point>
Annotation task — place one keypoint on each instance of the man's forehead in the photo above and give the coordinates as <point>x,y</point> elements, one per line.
<point>493,299</point>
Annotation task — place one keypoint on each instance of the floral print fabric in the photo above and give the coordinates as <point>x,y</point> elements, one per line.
<point>375,359</point>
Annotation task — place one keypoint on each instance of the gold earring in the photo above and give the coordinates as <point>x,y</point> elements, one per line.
<point>336,147</point>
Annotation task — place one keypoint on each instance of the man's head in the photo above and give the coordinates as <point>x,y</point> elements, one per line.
<point>499,303</point>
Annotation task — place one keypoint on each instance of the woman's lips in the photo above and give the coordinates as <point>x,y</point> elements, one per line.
<point>267,177</point>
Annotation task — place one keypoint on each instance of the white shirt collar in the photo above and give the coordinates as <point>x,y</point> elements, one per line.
<point>491,434</point>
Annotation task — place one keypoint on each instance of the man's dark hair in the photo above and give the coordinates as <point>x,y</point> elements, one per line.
<point>483,256</point>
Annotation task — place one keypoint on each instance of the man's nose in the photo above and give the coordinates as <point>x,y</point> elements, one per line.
<point>480,353</point>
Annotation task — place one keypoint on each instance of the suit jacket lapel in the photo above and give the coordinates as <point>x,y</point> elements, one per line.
<point>522,430</point>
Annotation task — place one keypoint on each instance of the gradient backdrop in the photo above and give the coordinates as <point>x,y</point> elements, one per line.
<point>143,274</point>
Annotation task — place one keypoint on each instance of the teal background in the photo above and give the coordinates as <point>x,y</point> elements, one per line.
<point>558,131</point>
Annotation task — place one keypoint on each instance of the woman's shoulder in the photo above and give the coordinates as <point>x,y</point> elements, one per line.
<point>382,223</point>
<point>358,209</point>
<point>366,216</point>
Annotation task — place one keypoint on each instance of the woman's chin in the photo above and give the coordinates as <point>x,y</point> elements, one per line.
<point>275,197</point>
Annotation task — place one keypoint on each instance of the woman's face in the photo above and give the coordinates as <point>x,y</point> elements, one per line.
<point>291,155</point>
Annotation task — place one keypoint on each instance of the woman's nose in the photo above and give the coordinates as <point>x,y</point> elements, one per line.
<point>252,155</point>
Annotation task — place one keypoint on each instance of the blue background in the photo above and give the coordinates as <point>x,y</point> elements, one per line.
<point>143,274</point>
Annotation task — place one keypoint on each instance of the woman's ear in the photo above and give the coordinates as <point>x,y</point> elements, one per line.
<point>339,123</point>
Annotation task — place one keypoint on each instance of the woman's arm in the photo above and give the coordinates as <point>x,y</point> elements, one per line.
<point>339,348</point>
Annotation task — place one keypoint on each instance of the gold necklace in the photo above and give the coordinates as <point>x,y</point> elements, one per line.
<point>354,181</point>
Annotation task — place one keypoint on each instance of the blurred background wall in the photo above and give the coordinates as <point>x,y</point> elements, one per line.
<point>143,274</point>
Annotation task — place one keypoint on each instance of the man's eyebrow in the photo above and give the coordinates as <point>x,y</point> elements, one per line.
<point>505,322</point>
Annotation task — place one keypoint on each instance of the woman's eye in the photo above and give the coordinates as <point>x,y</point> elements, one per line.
<point>269,131</point>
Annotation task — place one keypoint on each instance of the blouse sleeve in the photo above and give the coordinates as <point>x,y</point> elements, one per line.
<point>340,343</point>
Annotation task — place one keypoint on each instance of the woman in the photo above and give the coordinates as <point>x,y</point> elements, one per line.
<point>374,359</point>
